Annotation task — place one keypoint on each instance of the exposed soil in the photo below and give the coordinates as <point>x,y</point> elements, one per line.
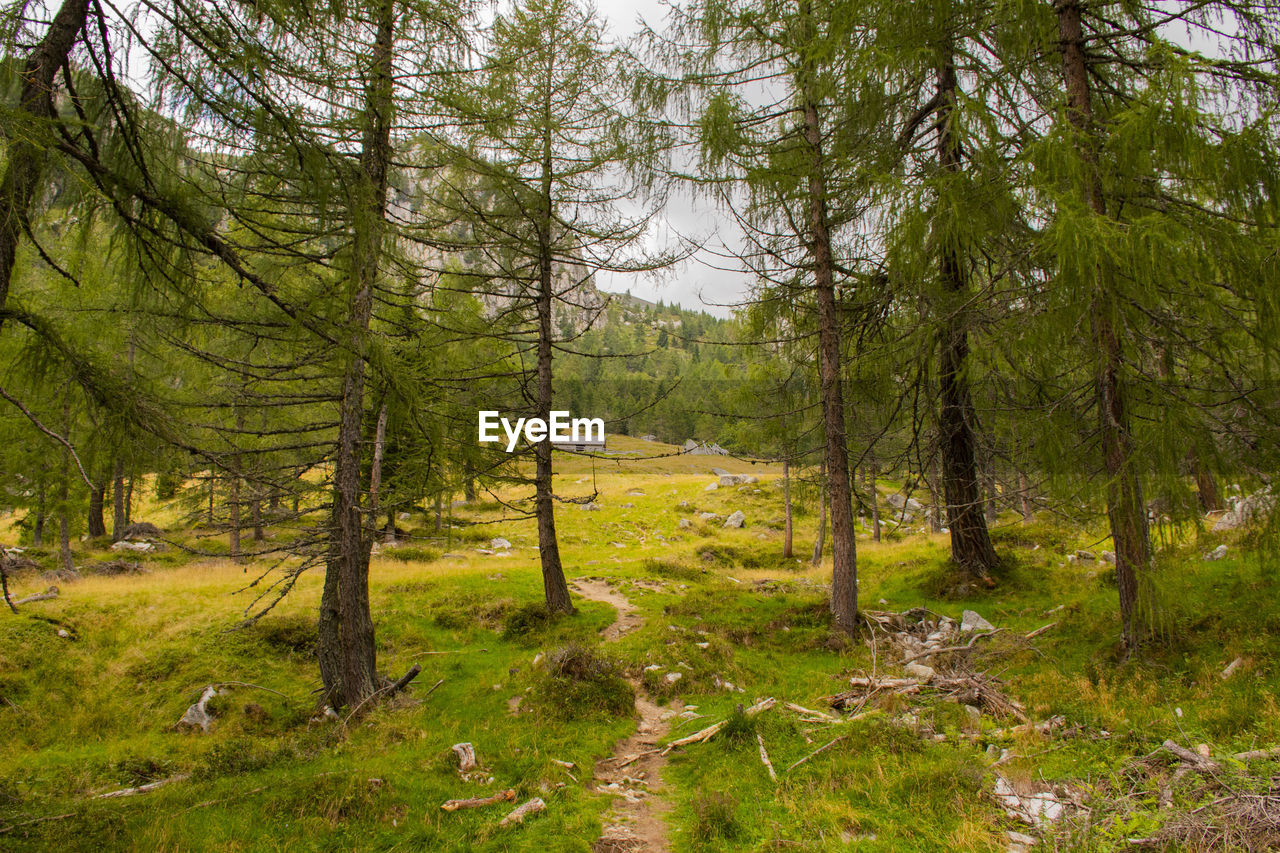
<point>633,774</point>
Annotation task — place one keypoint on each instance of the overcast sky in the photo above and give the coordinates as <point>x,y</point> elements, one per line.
<point>703,282</point>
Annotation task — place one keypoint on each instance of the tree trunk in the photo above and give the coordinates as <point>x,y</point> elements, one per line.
<point>873,468</point>
<point>64,495</point>
<point>1206,483</point>
<point>819,542</point>
<point>553,582</point>
<point>255,512</point>
<point>97,526</point>
<point>128,502</point>
<point>1024,495</point>
<point>991,488</point>
<point>118,520</point>
<point>234,491</point>
<point>971,546</point>
<point>209,513</point>
<point>844,570</point>
<point>786,502</point>
<point>24,155</point>
<point>935,496</point>
<point>345,645</point>
<point>439,508</point>
<point>389,530</point>
<point>37,532</point>
<point>1126,511</point>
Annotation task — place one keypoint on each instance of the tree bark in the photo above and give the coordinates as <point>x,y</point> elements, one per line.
<point>844,570</point>
<point>786,501</point>
<point>553,582</point>
<point>37,532</point>
<point>234,491</point>
<point>24,155</point>
<point>971,546</point>
<point>118,520</point>
<point>935,496</point>
<point>64,495</point>
<point>873,469</point>
<point>345,646</point>
<point>1024,495</point>
<point>128,502</point>
<point>1126,510</point>
<point>1206,484</point>
<point>97,525</point>
<point>820,540</point>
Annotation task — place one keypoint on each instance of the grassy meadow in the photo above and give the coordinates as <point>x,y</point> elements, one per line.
<point>94,711</point>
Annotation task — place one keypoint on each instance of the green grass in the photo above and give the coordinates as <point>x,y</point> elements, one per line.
<point>92,714</point>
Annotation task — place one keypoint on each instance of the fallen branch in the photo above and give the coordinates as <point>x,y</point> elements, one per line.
<point>819,716</point>
<point>142,789</point>
<point>764,758</point>
<point>820,749</point>
<point>762,705</point>
<point>697,737</point>
<point>47,595</point>
<point>1037,632</point>
<point>11,827</point>
<point>1186,756</point>
<point>966,647</point>
<point>1256,754</point>
<point>478,802</point>
<point>524,810</point>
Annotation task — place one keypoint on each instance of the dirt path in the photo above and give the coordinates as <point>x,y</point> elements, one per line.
<point>635,823</point>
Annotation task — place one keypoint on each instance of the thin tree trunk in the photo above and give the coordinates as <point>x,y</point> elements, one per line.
<point>118,520</point>
<point>345,644</point>
<point>991,489</point>
<point>1024,495</point>
<point>971,546</point>
<point>844,570</point>
<point>209,513</point>
<point>128,502</point>
<point>389,530</point>
<point>1206,484</point>
<point>234,489</point>
<point>786,501</point>
<point>935,496</point>
<point>819,542</point>
<point>24,156</point>
<point>255,510</point>
<point>97,526</point>
<point>37,532</point>
<point>553,582</point>
<point>439,511</point>
<point>64,495</point>
<point>1126,511</point>
<point>873,468</point>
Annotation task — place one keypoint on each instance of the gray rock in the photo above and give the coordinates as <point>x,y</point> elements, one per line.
<point>1217,553</point>
<point>919,671</point>
<point>971,621</point>
<point>720,472</point>
<point>685,524</point>
<point>1109,557</point>
<point>672,677</point>
<point>736,520</point>
<point>707,516</point>
<point>711,487</point>
<point>1245,511</point>
<point>499,544</point>
<point>591,507</point>
<point>1086,556</point>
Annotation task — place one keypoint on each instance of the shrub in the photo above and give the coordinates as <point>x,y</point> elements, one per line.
<point>580,682</point>
<point>715,817</point>
<point>526,620</point>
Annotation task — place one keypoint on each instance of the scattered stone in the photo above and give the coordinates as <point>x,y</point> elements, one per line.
<point>711,487</point>
<point>720,472</point>
<point>672,677</point>
<point>919,671</point>
<point>135,547</point>
<point>1085,556</point>
<point>707,516</point>
<point>1109,557</point>
<point>500,544</point>
<point>1231,668</point>
<point>591,507</point>
<point>971,621</point>
<point>685,524</point>
<point>1245,511</point>
<point>1217,553</point>
<point>636,493</point>
<point>736,520</point>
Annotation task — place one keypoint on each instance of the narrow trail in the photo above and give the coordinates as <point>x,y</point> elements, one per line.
<point>636,821</point>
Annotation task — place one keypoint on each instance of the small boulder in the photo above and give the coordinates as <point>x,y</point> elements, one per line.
<point>500,544</point>
<point>1085,556</point>
<point>1109,557</point>
<point>707,516</point>
<point>971,621</point>
<point>711,487</point>
<point>591,507</point>
<point>1217,553</point>
<point>919,671</point>
<point>685,524</point>
<point>736,520</point>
